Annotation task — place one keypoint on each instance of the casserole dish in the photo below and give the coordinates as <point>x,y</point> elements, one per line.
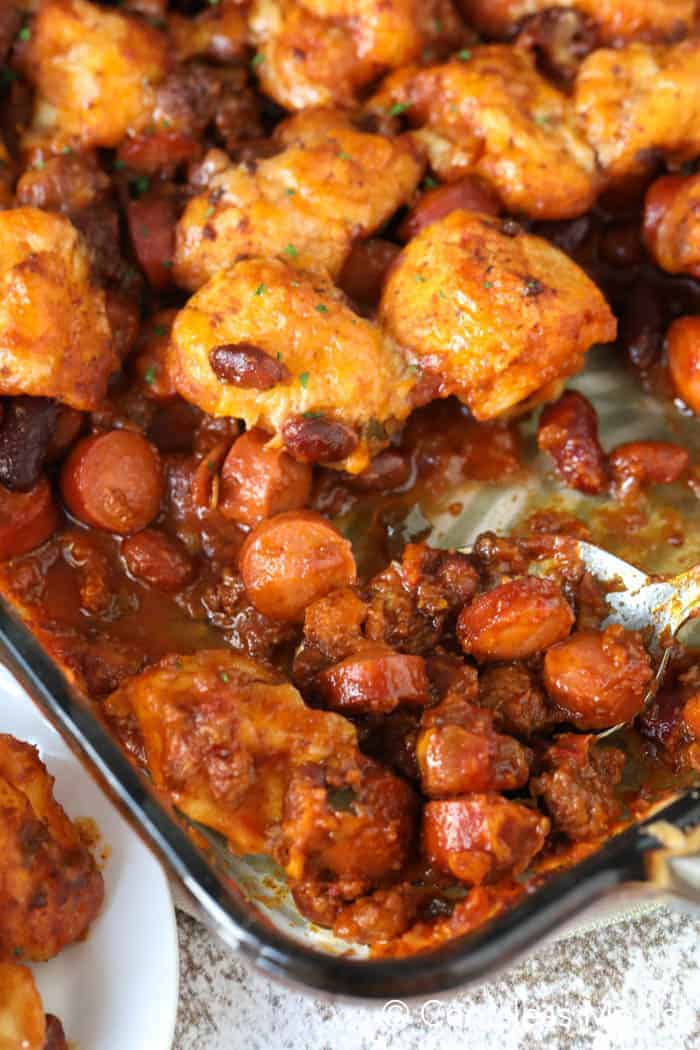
<point>243,900</point>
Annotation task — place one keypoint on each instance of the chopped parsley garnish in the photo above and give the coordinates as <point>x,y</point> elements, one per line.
<point>429,183</point>
<point>160,330</point>
<point>39,164</point>
<point>25,33</point>
<point>342,155</point>
<point>209,212</point>
<point>398,108</point>
<point>464,55</point>
<point>321,308</point>
<point>291,251</point>
<point>312,415</point>
<point>141,184</point>
<point>488,284</point>
<point>304,379</point>
<point>150,375</point>
<point>257,60</point>
<point>421,278</point>
<point>119,165</point>
<point>223,675</point>
<point>290,191</point>
<point>261,289</point>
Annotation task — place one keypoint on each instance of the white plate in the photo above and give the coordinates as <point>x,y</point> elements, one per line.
<point>117,990</point>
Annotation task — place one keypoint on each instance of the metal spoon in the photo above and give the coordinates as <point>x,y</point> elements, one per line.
<point>644,603</point>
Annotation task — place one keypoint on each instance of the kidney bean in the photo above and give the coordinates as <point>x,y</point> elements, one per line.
<point>24,438</point>
<point>258,482</point>
<point>152,230</point>
<point>599,678</point>
<point>375,681</point>
<point>568,431</point>
<point>157,559</point>
<point>27,519</point>
<point>683,347</point>
<point>387,471</point>
<point>637,464</point>
<point>560,39</point>
<point>515,620</point>
<point>642,326</point>
<point>245,365</point>
<point>621,245</point>
<point>113,481</point>
<point>317,439</point>
<point>364,270</point>
<point>482,837</point>
<point>469,193</point>
<point>293,559</point>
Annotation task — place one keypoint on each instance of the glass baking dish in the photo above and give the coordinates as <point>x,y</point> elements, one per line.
<point>243,900</point>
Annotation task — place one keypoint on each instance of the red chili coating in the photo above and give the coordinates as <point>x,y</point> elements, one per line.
<point>469,194</point>
<point>375,682</point>
<point>290,560</point>
<point>27,519</point>
<point>515,620</point>
<point>482,837</point>
<point>568,432</point>
<point>637,464</point>
<point>113,481</point>
<point>683,343</point>
<point>258,482</point>
<point>157,559</point>
<point>599,678</point>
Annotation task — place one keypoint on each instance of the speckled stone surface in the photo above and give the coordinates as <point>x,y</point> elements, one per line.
<point>634,985</point>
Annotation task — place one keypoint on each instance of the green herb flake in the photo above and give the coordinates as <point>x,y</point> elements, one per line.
<point>341,799</point>
<point>278,355</point>
<point>257,60</point>
<point>39,164</point>
<point>66,150</point>
<point>464,55</point>
<point>420,278</point>
<point>166,123</point>
<point>149,375</point>
<point>7,75</point>
<point>141,184</point>
<point>488,284</point>
<point>223,675</point>
<point>209,212</point>
<point>291,251</point>
<point>25,33</point>
<point>429,183</point>
<point>441,294</point>
<point>312,415</point>
<point>160,330</point>
<point>168,264</point>
<point>321,308</point>
<point>119,165</point>
<point>342,155</point>
<point>290,191</point>
<point>542,119</point>
<point>261,289</point>
<point>304,379</point>
<point>398,108</point>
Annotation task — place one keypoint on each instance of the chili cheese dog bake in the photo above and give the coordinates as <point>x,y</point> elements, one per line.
<point>273,274</point>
